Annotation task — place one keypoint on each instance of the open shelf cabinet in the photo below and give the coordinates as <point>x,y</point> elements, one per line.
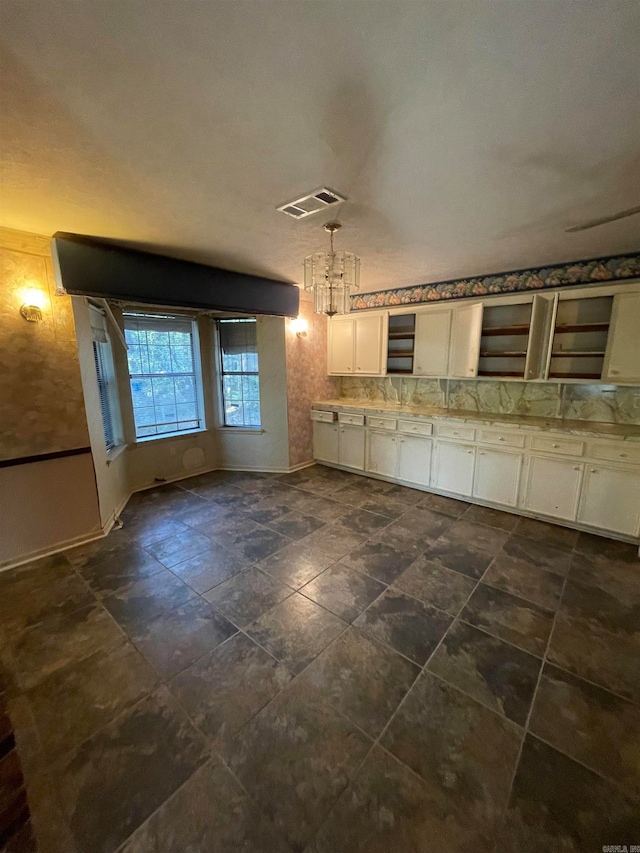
<point>580,338</point>
<point>401,346</point>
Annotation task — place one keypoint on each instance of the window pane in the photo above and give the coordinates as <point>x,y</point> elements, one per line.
<point>252,414</point>
<point>181,359</point>
<point>232,387</point>
<point>158,338</point>
<point>234,414</point>
<point>144,416</point>
<point>250,388</point>
<point>186,411</point>
<point>231,362</point>
<point>163,390</point>
<point>250,362</point>
<point>141,392</point>
<point>131,336</point>
<point>159,359</point>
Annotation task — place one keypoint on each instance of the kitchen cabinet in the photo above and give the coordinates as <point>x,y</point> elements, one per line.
<point>497,476</point>
<point>340,346</point>
<point>356,345</point>
<point>414,460</point>
<point>369,344</point>
<point>325,442</point>
<point>466,332</point>
<point>553,487</point>
<point>432,341</point>
<point>382,455</point>
<point>622,362</point>
<point>611,499</point>
<point>351,447</point>
<point>454,467</point>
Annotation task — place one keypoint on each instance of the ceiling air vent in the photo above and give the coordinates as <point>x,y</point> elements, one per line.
<point>313,202</point>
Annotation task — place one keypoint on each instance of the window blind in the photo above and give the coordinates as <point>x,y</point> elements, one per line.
<point>103,389</point>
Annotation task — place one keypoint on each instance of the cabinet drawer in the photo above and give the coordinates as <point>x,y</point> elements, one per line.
<point>505,439</point>
<point>381,423</point>
<point>356,420</point>
<point>616,452</point>
<point>465,433</point>
<point>415,428</point>
<point>324,417</point>
<point>551,444</point>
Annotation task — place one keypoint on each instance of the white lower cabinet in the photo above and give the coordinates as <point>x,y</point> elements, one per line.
<point>497,476</point>
<point>351,447</point>
<point>383,454</point>
<point>454,467</point>
<point>553,487</point>
<point>325,442</point>
<point>414,460</point>
<point>611,499</point>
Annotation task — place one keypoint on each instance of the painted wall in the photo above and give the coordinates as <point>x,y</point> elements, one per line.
<point>601,403</point>
<point>42,503</point>
<point>307,380</point>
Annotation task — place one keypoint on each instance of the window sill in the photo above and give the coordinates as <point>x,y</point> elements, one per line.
<point>164,436</point>
<point>113,454</point>
<point>241,430</point>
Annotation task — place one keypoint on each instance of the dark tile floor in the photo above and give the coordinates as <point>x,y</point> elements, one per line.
<point>326,663</point>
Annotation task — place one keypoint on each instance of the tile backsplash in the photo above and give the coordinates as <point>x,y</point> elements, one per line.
<point>602,403</point>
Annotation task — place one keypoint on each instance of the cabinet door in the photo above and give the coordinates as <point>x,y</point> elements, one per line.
<point>369,335</point>
<point>351,447</point>
<point>553,487</point>
<point>382,454</point>
<point>623,345</point>
<point>325,442</point>
<point>414,460</point>
<point>611,500</point>
<point>341,346</point>
<point>497,476</point>
<point>432,341</point>
<point>466,330</point>
<point>454,468</point>
<point>543,312</point>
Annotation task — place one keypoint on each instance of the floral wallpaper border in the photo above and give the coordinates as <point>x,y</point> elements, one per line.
<point>576,272</point>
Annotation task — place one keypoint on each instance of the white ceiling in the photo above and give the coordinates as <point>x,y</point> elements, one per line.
<point>467,135</point>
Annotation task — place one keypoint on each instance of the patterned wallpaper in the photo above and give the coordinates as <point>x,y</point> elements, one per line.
<point>577,272</point>
<point>601,403</point>
<point>307,381</point>
<point>40,389</point>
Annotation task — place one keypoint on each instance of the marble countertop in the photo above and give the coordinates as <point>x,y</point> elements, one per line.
<point>620,431</point>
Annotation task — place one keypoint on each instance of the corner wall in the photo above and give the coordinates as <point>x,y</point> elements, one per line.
<point>307,381</point>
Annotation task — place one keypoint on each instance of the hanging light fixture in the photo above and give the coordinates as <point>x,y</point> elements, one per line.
<point>331,276</point>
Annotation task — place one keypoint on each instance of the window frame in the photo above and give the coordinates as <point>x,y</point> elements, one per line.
<point>221,373</point>
<point>106,382</point>
<point>168,316</point>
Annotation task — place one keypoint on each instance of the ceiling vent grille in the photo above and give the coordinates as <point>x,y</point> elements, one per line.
<point>311,203</point>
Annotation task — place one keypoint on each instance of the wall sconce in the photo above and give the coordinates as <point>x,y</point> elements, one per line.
<point>34,301</point>
<point>299,326</point>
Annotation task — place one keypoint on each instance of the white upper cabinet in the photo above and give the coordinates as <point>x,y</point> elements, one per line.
<point>369,344</point>
<point>466,332</point>
<point>340,346</point>
<point>539,346</point>
<point>432,340</point>
<point>357,345</point>
<point>622,363</point>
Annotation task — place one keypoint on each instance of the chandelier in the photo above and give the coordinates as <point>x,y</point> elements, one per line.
<point>331,276</point>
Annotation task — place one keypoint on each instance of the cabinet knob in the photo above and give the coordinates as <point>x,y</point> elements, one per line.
<point>455,432</point>
<point>481,452</point>
<point>614,372</point>
<point>576,467</point>
<point>555,445</point>
<point>469,451</point>
<point>393,439</point>
<point>623,455</point>
<point>594,470</point>
<point>501,438</point>
<point>402,441</point>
